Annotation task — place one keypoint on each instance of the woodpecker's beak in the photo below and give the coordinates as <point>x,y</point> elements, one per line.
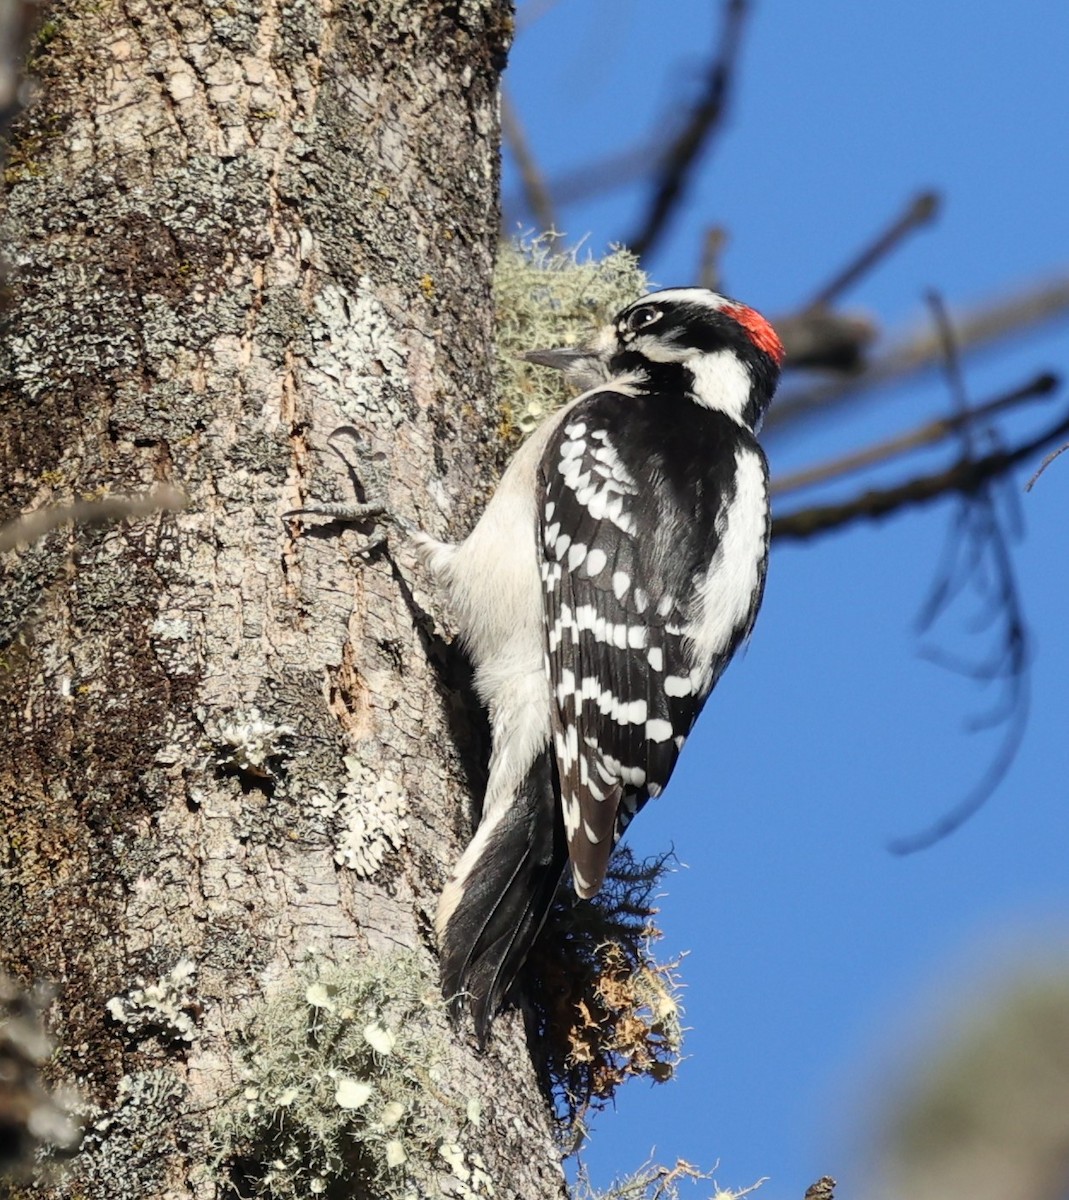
<point>560,360</point>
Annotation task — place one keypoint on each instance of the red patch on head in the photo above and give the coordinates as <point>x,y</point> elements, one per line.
<point>763,336</point>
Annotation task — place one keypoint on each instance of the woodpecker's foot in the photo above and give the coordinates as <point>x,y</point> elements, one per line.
<point>365,475</point>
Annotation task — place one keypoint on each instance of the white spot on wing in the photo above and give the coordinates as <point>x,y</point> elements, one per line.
<point>658,730</point>
<point>570,811</point>
<point>633,713</point>
<point>635,776</point>
<point>595,562</point>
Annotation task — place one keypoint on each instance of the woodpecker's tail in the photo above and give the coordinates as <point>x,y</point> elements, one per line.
<point>497,901</point>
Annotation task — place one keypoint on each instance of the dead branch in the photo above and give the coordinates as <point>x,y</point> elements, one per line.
<point>713,245</point>
<point>921,211</point>
<point>964,477</point>
<point>919,352</point>
<point>536,193</point>
<point>927,434</point>
<point>677,163</point>
<point>532,13</point>
<point>816,336</point>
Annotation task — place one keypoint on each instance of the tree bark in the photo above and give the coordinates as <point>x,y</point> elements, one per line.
<point>232,228</point>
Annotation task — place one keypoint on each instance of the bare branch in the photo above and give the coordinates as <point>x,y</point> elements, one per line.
<point>927,434</point>
<point>34,525</point>
<point>921,211</point>
<point>706,117</point>
<point>535,192</point>
<point>922,351</point>
<point>716,238</point>
<point>963,477</point>
<point>952,369</point>
<point>820,338</point>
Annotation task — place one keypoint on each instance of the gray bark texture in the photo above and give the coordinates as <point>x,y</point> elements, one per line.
<point>230,228</point>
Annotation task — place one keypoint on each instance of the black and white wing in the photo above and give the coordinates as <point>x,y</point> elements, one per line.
<point>629,550</point>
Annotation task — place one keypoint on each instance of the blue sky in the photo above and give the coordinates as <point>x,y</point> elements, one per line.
<point>818,962</point>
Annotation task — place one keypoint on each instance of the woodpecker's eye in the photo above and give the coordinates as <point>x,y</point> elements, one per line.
<point>641,317</point>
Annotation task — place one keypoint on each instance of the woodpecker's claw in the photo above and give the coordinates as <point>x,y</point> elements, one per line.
<point>365,476</point>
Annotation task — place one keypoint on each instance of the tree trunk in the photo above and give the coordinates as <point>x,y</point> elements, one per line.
<point>232,228</point>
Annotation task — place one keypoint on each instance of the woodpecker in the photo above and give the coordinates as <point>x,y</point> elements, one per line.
<point>613,574</point>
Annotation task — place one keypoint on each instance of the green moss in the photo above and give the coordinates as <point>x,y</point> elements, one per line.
<point>545,297</point>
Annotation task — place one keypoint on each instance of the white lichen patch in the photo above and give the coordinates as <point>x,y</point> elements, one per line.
<point>365,822</point>
<point>371,821</point>
<point>252,744</point>
<point>357,361</point>
<point>163,1008</point>
<point>468,1170</point>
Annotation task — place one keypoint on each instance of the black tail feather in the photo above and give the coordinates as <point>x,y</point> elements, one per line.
<point>505,900</point>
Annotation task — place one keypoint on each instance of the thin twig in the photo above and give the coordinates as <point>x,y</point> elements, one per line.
<point>713,243</point>
<point>706,117</point>
<point>927,434</point>
<point>979,529</point>
<point>953,820</point>
<point>962,478</point>
<point>536,194</point>
<point>978,556</point>
<point>921,210</point>
<point>952,369</point>
<point>1044,465</point>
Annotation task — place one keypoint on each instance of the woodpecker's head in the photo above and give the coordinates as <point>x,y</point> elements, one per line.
<point>725,355</point>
